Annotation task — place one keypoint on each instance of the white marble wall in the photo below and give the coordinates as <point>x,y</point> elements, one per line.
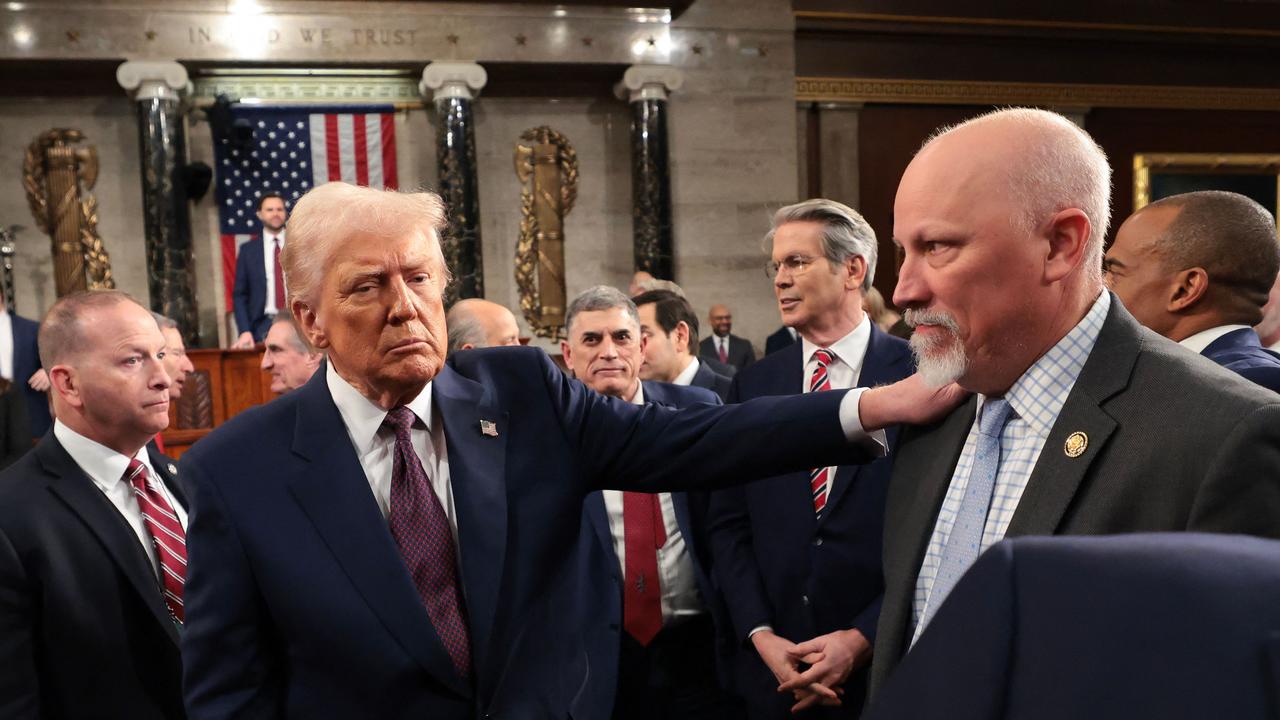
<point>733,161</point>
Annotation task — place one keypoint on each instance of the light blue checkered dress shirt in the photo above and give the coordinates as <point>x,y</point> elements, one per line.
<point>1036,399</point>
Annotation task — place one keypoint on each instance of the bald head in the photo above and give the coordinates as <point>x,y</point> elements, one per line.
<point>1195,261</point>
<point>638,281</point>
<point>476,323</point>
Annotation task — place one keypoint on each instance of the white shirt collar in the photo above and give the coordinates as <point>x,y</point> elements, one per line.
<point>686,376</point>
<point>267,235</point>
<point>638,398</point>
<point>361,416</point>
<point>849,349</point>
<point>104,466</point>
<point>1203,339</point>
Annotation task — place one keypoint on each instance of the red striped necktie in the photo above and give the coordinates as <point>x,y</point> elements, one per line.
<point>644,532</point>
<point>167,536</point>
<point>819,478</point>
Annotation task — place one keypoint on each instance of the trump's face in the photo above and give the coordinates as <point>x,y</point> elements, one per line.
<point>380,315</point>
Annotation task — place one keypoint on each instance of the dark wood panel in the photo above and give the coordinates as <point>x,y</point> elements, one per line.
<point>233,382</point>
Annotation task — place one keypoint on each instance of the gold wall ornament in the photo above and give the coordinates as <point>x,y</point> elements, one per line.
<point>548,167</point>
<point>58,177</point>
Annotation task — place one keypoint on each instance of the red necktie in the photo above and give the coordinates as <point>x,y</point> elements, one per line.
<point>279,278</point>
<point>421,531</point>
<point>167,536</point>
<point>643,533</point>
<point>724,351</point>
<point>818,477</point>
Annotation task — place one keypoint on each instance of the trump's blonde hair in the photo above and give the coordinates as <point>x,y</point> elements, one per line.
<point>337,213</point>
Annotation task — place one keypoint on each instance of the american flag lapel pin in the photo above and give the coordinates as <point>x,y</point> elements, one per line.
<point>489,427</point>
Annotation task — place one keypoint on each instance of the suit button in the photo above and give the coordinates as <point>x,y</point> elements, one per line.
<point>817,542</point>
<point>805,600</point>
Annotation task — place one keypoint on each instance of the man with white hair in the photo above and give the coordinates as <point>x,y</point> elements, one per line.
<point>395,539</point>
<point>1084,422</point>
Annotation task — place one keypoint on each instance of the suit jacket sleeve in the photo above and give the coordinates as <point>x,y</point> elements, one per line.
<point>240,293</point>
<point>17,426</point>
<point>652,448</point>
<point>226,666</point>
<point>733,557</point>
<point>19,682</point>
<point>1242,493</point>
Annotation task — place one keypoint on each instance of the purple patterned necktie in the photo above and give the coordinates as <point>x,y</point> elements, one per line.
<point>421,531</point>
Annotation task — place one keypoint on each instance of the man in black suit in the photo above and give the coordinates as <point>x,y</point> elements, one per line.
<point>1163,625</point>
<point>670,328</point>
<point>722,345</point>
<point>21,350</point>
<point>259,292</point>
<point>798,555</point>
<point>1197,268</point>
<point>781,339</point>
<point>92,529</point>
<point>651,639</point>
<point>1084,422</point>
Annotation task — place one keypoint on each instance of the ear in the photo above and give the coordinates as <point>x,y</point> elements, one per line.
<point>855,269</point>
<point>644,343</point>
<point>309,322</point>
<point>681,335</point>
<point>567,354</point>
<point>1068,235</point>
<point>66,385</point>
<point>467,346</point>
<point>1187,288</point>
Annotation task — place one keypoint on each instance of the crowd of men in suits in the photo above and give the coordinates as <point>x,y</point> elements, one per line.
<point>429,523</point>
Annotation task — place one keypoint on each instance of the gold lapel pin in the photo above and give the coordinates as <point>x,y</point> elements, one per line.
<point>489,427</point>
<point>1076,444</point>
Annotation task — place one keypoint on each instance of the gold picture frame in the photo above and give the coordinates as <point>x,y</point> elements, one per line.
<point>1158,175</point>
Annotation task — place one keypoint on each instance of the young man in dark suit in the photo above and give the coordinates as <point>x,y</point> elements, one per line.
<point>798,555</point>
<point>92,529</point>
<point>1084,422</point>
<point>722,345</point>
<point>259,292</point>
<point>397,538</point>
<point>651,630</point>
<point>671,332</point>
<point>1197,269</point>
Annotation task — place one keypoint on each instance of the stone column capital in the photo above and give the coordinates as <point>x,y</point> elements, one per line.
<point>648,82</point>
<point>452,80</point>
<point>146,80</point>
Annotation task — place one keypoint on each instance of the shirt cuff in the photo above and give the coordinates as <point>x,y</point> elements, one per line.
<point>851,422</point>
<point>757,629</point>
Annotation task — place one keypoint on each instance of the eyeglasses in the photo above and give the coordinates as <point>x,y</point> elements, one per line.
<point>794,265</point>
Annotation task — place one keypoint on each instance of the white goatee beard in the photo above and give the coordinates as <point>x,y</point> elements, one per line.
<point>939,360</point>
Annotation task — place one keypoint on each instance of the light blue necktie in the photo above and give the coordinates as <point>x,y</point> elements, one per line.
<point>965,540</point>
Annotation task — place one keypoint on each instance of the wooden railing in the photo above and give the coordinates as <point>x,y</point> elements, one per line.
<point>225,382</point>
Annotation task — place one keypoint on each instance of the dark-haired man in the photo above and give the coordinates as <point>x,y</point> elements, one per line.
<point>93,528</point>
<point>670,328</point>
<point>1197,268</point>
<point>259,292</point>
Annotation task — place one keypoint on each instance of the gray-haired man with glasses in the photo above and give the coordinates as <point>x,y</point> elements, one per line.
<point>798,555</point>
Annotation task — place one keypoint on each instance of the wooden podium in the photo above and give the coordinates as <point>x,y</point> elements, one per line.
<point>225,382</point>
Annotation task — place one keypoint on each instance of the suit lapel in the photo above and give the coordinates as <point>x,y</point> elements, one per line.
<point>1057,476</point>
<point>477,468</point>
<point>335,495</point>
<point>76,489</point>
<point>167,469</point>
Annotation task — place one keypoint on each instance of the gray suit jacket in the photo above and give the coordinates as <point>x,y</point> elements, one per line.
<point>1175,442</point>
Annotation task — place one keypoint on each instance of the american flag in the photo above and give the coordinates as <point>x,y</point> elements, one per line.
<point>293,149</point>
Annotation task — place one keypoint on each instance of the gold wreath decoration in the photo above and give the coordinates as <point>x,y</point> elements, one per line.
<point>97,261</point>
<point>527,255</point>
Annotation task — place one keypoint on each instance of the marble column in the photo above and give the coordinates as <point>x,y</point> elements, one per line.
<point>453,87</point>
<point>162,142</point>
<point>646,88</point>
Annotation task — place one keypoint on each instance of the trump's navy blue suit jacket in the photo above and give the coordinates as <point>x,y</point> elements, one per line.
<point>601,576</point>
<point>1167,625</point>
<point>249,294</point>
<point>1241,351</point>
<point>299,605</point>
<point>775,561</point>
<point>26,360</point>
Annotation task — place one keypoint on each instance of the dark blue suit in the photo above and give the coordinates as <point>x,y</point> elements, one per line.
<point>26,361</point>
<point>299,604</point>
<point>781,339</point>
<point>777,563</point>
<point>602,601</point>
<point>249,295</point>
<point>707,378</point>
<point>1107,628</point>
<point>1241,352</point>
